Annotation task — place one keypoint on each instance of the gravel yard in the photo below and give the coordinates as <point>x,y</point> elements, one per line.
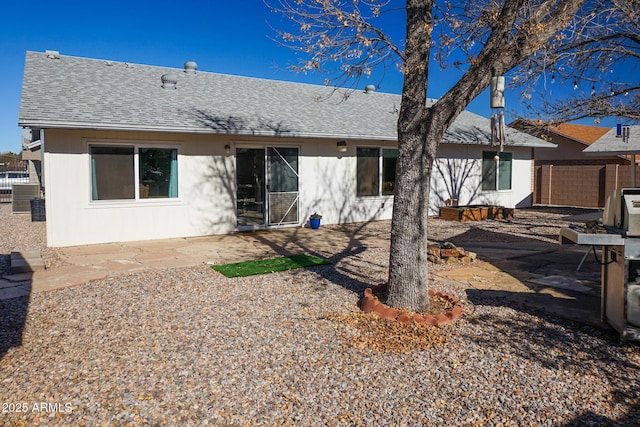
<point>189,346</point>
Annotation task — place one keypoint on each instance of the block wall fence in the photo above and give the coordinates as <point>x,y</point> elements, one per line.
<point>580,185</point>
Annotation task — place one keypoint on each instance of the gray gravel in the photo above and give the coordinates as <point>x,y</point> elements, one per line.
<point>19,233</point>
<point>188,346</point>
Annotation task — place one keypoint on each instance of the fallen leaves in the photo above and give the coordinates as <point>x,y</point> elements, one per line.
<point>368,331</point>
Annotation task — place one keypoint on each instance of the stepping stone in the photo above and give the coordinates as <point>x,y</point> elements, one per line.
<point>65,276</point>
<point>4,284</point>
<point>15,292</point>
<point>17,278</point>
<point>566,282</point>
<point>26,262</point>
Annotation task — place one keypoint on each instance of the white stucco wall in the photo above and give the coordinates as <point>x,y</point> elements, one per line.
<point>205,206</point>
<point>458,175</point>
<point>328,185</point>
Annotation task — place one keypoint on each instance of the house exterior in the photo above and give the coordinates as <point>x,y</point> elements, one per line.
<point>32,154</point>
<point>13,171</point>
<point>571,139</point>
<point>615,143</point>
<point>567,176</point>
<point>136,152</point>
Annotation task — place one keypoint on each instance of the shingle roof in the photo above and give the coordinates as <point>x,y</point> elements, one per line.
<point>609,144</point>
<point>82,93</point>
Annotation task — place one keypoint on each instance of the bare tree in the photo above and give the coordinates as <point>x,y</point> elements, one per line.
<point>492,37</point>
<point>604,38</point>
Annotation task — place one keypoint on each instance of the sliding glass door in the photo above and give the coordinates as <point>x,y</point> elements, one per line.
<point>250,187</point>
<point>266,186</point>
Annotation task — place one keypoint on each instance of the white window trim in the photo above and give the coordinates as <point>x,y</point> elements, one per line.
<point>137,145</point>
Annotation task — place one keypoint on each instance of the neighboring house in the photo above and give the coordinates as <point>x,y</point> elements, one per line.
<point>571,139</point>
<point>565,176</point>
<point>612,143</point>
<point>137,152</point>
<point>12,171</point>
<point>32,154</point>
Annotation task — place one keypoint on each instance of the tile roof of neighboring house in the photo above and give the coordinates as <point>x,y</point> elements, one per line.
<point>581,133</point>
<point>609,144</point>
<point>82,93</point>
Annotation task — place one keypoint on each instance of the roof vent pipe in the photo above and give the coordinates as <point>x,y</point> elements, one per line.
<point>369,89</point>
<point>169,81</point>
<point>190,67</point>
<point>52,54</point>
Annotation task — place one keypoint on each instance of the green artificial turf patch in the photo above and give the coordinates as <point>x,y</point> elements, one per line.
<point>250,268</point>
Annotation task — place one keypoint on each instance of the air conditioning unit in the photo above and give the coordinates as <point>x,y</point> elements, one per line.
<point>22,195</point>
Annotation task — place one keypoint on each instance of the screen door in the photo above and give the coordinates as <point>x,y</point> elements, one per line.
<point>282,185</point>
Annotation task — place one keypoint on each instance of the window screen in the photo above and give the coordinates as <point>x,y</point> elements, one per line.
<point>112,173</point>
<point>368,171</point>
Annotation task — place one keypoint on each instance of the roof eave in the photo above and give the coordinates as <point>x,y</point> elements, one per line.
<point>618,153</point>
<point>42,124</point>
<point>196,130</point>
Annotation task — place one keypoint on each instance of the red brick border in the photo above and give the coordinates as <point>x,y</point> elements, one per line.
<point>371,304</point>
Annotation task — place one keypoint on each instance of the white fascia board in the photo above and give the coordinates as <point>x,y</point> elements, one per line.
<point>198,130</point>
<point>201,130</point>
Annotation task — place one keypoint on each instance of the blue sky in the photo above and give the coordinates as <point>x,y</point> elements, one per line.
<point>229,37</point>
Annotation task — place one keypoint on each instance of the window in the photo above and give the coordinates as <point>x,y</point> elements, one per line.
<point>158,173</point>
<point>368,172</point>
<point>389,160</point>
<point>496,174</point>
<point>375,171</point>
<point>112,173</point>
<point>114,168</point>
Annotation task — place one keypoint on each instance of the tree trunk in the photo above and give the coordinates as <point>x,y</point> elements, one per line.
<point>408,256</point>
<point>408,266</point>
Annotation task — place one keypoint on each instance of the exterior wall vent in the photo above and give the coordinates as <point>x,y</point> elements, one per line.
<point>169,81</point>
<point>369,89</point>
<point>190,67</point>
